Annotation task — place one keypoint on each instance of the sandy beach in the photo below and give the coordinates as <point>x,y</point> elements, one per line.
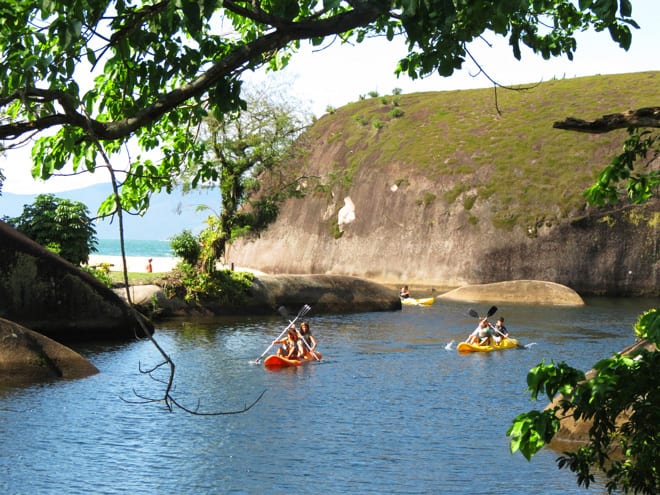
<point>159,264</point>
<point>134,263</point>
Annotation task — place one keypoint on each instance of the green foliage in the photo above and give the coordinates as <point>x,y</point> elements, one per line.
<point>186,247</point>
<point>396,112</point>
<point>223,287</point>
<point>101,273</point>
<point>468,202</point>
<point>621,401</point>
<point>245,149</point>
<point>641,145</point>
<point>531,431</point>
<point>61,225</point>
<point>335,230</point>
<point>427,199</point>
<point>648,326</point>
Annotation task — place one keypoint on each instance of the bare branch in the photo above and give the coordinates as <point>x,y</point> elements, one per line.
<point>642,117</point>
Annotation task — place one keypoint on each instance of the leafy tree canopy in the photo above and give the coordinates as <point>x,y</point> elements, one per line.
<point>160,67</point>
<point>244,147</point>
<point>61,225</point>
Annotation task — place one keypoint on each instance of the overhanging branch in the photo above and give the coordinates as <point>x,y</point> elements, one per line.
<point>242,57</point>
<point>642,117</point>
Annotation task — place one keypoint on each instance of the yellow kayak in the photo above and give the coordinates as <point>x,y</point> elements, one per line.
<point>411,301</point>
<point>464,347</point>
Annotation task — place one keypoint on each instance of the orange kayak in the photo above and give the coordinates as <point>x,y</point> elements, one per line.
<point>275,361</point>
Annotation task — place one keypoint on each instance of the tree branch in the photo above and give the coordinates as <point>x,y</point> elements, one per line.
<point>241,58</point>
<point>642,117</point>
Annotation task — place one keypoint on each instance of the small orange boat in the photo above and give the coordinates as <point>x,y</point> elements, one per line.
<point>275,361</point>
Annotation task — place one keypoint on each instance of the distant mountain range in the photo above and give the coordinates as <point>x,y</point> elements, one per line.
<point>168,214</point>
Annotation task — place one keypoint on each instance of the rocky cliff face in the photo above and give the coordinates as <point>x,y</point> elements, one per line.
<point>393,240</point>
<point>45,293</point>
<point>373,213</point>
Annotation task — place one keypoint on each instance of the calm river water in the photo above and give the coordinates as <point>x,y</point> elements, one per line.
<point>388,411</point>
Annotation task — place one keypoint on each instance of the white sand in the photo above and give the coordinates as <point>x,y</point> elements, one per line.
<point>159,264</point>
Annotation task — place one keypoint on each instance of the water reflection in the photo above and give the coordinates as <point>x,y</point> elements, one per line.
<point>388,410</point>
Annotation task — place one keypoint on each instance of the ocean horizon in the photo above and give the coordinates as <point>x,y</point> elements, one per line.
<point>142,248</point>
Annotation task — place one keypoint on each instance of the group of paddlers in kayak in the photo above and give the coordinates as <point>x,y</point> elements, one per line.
<point>298,343</point>
<point>488,334</point>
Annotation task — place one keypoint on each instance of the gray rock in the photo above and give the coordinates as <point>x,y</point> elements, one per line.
<point>28,357</point>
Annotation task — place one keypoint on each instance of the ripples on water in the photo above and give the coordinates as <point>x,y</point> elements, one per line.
<point>389,409</point>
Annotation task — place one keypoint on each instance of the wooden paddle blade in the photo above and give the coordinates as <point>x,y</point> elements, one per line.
<point>492,311</point>
<point>473,313</point>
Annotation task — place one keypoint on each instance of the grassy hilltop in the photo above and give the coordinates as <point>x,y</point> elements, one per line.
<point>484,145</point>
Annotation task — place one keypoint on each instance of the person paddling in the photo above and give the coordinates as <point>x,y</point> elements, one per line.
<point>501,332</point>
<point>481,335</point>
<point>291,345</point>
<point>309,342</point>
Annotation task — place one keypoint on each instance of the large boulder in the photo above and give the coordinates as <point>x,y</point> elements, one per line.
<point>45,293</point>
<point>518,291</point>
<point>446,196</point>
<point>325,293</point>
<point>28,357</point>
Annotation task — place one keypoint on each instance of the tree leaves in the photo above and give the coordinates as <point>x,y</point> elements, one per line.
<point>60,224</point>
<point>622,402</point>
<point>641,146</point>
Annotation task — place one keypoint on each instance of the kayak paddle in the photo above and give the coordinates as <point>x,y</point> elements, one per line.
<point>303,311</point>
<point>490,313</point>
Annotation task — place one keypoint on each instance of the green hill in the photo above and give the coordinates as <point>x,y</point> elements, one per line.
<point>497,143</point>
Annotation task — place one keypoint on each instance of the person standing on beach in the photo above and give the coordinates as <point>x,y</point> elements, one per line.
<point>149,267</point>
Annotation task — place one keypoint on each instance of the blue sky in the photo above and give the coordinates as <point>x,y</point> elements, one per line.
<point>338,74</point>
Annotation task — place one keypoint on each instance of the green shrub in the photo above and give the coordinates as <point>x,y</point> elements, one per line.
<point>396,112</point>
<point>468,202</point>
<point>61,225</point>
<point>427,199</point>
<point>224,287</point>
<point>101,273</point>
<point>186,247</point>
